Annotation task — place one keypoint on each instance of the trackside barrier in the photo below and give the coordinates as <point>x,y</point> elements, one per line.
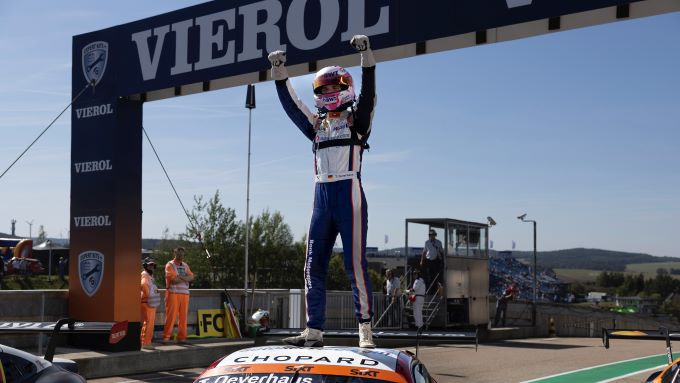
<point>28,306</point>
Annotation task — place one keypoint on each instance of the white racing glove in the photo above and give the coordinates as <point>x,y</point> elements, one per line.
<point>278,61</point>
<point>363,46</point>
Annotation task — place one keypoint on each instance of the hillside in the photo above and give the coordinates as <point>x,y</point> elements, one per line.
<point>592,259</point>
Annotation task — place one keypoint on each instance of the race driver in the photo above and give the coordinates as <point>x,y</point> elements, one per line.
<point>338,131</point>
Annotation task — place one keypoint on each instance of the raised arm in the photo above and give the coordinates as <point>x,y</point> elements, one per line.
<point>295,109</point>
<point>367,97</point>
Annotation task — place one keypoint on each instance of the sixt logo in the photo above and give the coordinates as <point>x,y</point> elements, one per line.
<point>94,58</point>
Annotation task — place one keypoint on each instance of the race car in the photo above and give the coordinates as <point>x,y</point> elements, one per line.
<point>330,364</point>
<point>17,366</point>
<point>669,374</point>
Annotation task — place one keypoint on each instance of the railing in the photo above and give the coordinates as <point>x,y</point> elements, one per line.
<point>340,311</point>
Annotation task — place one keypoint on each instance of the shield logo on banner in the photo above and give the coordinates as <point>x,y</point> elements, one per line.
<point>90,271</point>
<point>95,56</point>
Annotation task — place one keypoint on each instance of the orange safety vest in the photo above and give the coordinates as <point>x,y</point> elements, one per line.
<point>150,294</point>
<point>180,286</point>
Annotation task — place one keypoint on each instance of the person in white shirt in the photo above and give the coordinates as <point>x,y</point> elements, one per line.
<point>418,290</point>
<point>431,259</point>
<point>392,292</point>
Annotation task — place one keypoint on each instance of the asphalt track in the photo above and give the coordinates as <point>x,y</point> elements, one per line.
<point>553,360</point>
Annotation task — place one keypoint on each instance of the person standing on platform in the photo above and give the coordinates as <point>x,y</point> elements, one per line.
<point>339,133</point>
<point>431,259</point>
<point>178,275</point>
<point>151,299</point>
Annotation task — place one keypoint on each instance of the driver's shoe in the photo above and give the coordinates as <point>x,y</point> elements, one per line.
<point>366,335</point>
<point>311,337</point>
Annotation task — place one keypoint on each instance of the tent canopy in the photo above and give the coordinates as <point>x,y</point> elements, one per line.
<point>49,245</point>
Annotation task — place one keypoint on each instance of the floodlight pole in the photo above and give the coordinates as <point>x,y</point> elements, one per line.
<point>49,278</point>
<point>533,309</point>
<point>535,280</point>
<point>30,229</point>
<point>250,104</point>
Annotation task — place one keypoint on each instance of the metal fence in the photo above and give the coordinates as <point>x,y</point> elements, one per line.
<point>339,309</point>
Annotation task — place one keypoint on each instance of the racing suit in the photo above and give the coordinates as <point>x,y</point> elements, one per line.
<point>339,203</point>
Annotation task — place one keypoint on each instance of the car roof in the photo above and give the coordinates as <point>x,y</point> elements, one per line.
<point>383,357</point>
<point>330,360</point>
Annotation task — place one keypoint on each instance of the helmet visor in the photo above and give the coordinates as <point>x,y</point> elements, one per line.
<point>332,78</point>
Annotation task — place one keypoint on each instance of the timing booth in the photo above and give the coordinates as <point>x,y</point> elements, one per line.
<point>464,299</point>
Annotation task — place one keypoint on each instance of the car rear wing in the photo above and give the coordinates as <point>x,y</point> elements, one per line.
<point>660,334</point>
<point>116,330</point>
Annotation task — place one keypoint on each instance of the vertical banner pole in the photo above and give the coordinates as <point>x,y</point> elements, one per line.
<point>250,104</point>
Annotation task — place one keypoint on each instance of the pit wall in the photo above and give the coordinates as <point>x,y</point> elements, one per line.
<point>551,319</point>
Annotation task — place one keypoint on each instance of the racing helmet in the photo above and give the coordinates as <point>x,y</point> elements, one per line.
<point>262,318</point>
<point>333,75</point>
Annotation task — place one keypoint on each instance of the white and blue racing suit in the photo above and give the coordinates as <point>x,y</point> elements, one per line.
<point>339,203</point>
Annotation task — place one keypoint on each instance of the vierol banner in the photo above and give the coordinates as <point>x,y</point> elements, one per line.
<point>224,39</point>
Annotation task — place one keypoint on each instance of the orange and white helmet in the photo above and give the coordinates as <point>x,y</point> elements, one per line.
<point>333,75</point>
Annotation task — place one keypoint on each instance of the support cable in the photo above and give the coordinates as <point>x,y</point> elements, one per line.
<point>90,84</point>
<point>194,225</point>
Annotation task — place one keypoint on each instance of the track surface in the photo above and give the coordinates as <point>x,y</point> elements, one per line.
<point>554,360</point>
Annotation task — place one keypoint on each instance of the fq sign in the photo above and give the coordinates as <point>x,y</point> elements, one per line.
<point>211,323</point>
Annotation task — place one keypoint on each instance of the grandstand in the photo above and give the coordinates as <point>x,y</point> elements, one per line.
<point>505,269</point>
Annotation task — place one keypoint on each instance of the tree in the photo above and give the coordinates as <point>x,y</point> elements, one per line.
<point>337,278</point>
<point>632,285</point>
<point>663,285</point>
<point>214,228</point>
<point>273,257</point>
<point>613,279</point>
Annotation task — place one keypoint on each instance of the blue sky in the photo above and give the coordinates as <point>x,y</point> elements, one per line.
<point>578,129</point>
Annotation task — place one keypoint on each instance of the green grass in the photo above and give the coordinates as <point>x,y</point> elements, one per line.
<point>587,275</point>
<point>577,275</point>
<point>649,269</point>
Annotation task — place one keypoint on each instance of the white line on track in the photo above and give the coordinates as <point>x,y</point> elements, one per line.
<point>590,368</point>
<point>633,373</point>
